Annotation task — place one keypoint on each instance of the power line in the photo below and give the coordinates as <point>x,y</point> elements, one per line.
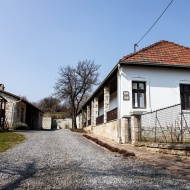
<point>153,24</point>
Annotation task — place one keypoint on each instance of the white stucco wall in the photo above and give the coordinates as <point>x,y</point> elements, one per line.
<point>101,108</point>
<point>113,101</point>
<point>162,86</point>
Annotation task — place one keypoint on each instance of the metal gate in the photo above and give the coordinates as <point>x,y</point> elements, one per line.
<point>171,124</point>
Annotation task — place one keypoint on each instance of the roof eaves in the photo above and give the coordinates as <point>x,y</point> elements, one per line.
<point>101,85</point>
<point>32,105</point>
<point>183,65</point>
<point>19,98</point>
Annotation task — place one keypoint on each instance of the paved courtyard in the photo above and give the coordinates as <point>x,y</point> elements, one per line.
<point>65,160</point>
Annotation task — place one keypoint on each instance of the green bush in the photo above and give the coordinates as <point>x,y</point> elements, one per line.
<point>20,126</point>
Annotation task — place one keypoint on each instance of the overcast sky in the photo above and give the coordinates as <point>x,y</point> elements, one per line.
<point>38,36</point>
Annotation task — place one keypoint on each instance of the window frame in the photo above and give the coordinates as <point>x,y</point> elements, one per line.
<point>138,91</point>
<point>185,105</point>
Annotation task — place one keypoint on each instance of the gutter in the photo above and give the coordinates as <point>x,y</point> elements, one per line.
<point>144,63</point>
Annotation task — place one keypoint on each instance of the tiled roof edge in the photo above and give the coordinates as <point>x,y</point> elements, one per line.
<point>126,62</point>
<point>149,47</point>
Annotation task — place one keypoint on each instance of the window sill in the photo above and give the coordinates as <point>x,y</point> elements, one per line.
<point>186,111</point>
<point>138,111</point>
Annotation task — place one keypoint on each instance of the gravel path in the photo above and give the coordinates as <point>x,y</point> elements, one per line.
<point>65,160</point>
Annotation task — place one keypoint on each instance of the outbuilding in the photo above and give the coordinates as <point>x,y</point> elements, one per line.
<point>16,109</point>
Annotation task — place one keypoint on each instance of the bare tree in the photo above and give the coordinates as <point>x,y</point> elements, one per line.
<point>74,83</point>
<point>51,104</point>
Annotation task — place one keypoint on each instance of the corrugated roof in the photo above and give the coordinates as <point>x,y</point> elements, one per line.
<point>161,52</point>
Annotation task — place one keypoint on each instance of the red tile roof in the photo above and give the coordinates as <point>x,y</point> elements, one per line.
<point>161,52</point>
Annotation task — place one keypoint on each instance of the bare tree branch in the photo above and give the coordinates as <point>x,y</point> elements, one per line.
<point>74,83</point>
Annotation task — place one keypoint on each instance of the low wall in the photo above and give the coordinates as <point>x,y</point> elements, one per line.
<point>88,129</point>
<point>180,150</point>
<point>166,148</point>
<point>108,130</point>
<point>46,122</point>
<point>49,123</point>
<point>62,123</point>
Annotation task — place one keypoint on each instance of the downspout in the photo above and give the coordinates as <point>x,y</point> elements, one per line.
<point>119,105</point>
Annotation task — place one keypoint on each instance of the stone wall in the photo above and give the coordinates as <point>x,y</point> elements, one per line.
<point>46,122</point>
<point>110,130</point>
<point>49,123</point>
<point>125,130</point>
<point>62,123</point>
<point>15,110</point>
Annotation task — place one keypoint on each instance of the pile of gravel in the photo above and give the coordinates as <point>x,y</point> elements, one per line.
<point>65,160</point>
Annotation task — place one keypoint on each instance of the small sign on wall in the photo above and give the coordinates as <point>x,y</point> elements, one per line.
<point>126,96</point>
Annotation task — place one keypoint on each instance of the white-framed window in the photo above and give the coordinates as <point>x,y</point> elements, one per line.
<point>139,94</point>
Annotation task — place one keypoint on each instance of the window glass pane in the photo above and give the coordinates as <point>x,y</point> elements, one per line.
<point>181,87</point>
<point>134,85</point>
<point>186,88</point>
<point>135,100</point>
<point>141,98</point>
<point>141,86</point>
<point>139,94</point>
<point>185,96</point>
<point>182,98</point>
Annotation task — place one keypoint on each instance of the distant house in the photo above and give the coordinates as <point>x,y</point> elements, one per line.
<point>15,109</point>
<point>152,78</point>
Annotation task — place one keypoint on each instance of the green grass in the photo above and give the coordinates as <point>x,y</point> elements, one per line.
<point>9,139</point>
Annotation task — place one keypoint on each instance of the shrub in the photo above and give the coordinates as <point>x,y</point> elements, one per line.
<point>122,151</point>
<point>20,126</point>
<point>114,149</point>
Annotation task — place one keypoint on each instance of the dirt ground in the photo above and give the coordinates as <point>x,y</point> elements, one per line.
<point>178,164</point>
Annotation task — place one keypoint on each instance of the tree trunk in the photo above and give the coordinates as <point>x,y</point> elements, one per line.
<point>74,123</point>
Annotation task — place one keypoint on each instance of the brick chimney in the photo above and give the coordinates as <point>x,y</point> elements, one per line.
<point>2,87</point>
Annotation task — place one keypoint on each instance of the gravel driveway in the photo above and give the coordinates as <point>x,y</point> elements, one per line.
<point>65,160</point>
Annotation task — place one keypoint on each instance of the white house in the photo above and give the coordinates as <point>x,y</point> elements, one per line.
<point>152,78</point>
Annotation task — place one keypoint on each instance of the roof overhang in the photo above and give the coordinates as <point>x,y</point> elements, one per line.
<point>22,100</point>
<point>131,63</point>
<point>183,65</point>
<point>102,84</point>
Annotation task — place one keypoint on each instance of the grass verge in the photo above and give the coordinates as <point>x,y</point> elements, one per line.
<point>9,139</point>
